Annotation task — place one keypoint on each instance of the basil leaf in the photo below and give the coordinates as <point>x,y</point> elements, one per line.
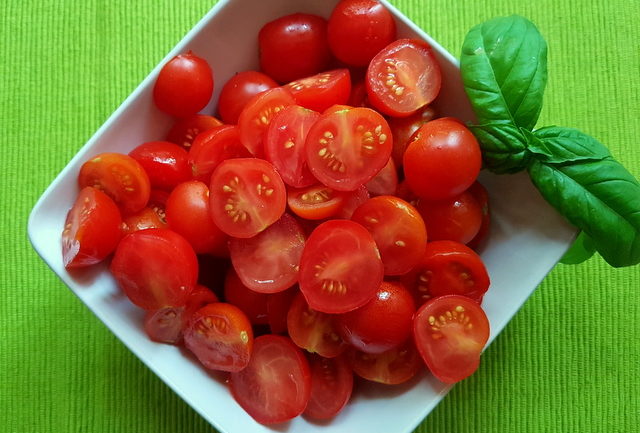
<point>504,147</point>
<point>504,71</point>
<point>558,145</point>
<point>600,197</point>
<point>581,250</point>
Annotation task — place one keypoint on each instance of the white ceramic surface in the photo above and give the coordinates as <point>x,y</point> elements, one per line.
<point>527,236</point>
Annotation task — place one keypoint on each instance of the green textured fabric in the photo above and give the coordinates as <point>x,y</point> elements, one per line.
<point>568,362</point>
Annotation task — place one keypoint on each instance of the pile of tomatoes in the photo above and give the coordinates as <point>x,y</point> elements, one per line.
<point>344,215</point>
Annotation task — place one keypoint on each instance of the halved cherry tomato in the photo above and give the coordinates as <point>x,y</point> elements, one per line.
<point>252,303</point>
<point>393,367</point>
<point>340,268</point>
<point>322,90</point>
<point>269,261</point>
<point>220,336</point>
<point>450,333</point>
<point>184,131</point>
<point>312,330</point>
<point>337,107</point>
<point>398,230</point>
<point>447,268</point>
<point>403,129</point>
<point>276,384</point>
<point>164,162</point>
<point>257,114</point>
<point>150,217</point>
<point>403,77</point>
<point>155,268</point>
<point>385,182</point>
<point>91,229</point>
<point>239,90</point>
<point>120,177</point>
<point>315,202</point>
<point>284,143</point>
<point>212,147</point>
<point>247,195</point>
<point>331,386</point>
<point>348,148</point>
<point>456,219</point>
<point>481,194</point>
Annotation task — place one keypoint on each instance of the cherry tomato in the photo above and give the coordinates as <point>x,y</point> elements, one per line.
<point>398,230</point>
<point>403,77</point>
<point>252,303</point>
<point>239,90</point>
<point>119,176</point>
<point>91,230</point>
<point>447,268</point>
<point>212,147</point>
<point>277,308</point>
<point>257,114</point>
<point>269,261</point>
<point>155,268</point>
<point>385,182</point>
<point>331,386</point>
<point>312,330</point>
<point>294,46</point>
<point>403,129</point>
<point>481,195</point>
<point>351,202</point>
<point>358,96</point>
<point>346,149</point>
<point>337,107</point>
<point>284,143</point>
<point>188,213</point>
<point>442,160</point>
<point>247,195</point>
<point>450,333</point>
<point>315,202</point>
<point>184,85</point>
<point>457,219</point>
<point>220,336</point>
<point>276,384</point>
<point>393,367</point>
<point>164,162</point>
<point>322,90</point>
<point>340,268</point>
<point>150,217</point>
<point>184,131</point>
<point>358,29</point>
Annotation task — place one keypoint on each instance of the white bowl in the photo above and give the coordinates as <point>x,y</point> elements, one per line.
<point>527,236</point>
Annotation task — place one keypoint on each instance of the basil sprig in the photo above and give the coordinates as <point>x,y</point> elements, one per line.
<point>504,70</point>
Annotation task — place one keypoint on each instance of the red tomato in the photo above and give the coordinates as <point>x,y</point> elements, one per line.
<point>456,219</point>
<point>385,182</point>
<point>322,90</point>
<point>239,90</point>
<point>351,202</point>
<point>331,386</point>
<point>277,308</point>
<point>481,194</point>
<point>184,131</point>
<point>150,217</point>
<point>188,213</point>
<point>119,176</point>
<point>247,195</point>
<point>252,303</point>
<point>340,268</point>
<point>403,77</point>
<point>358,96</point>
<point>337,107</point>
<point>312,330</point>
<point>442,160</point>
<point>276,384</point>
<point>316,202</point>
<point>448,268</point>
<point>393,367</point>
<point>346,149</point>
<point>284,143</point>
<point>91,230</point>
<point>164,162</point>
<point>220,336</point>
<point>212,147</point>
<point>269,261</point>
<point>184,85</point>
<point>403,129</point>
<point>257,114</point>
<point>155,268</point>
<point>398,230</point>
<point>450,333</point>
<point>358,29</point>
<point>294,46</point>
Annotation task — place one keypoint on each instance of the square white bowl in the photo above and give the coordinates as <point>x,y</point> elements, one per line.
<point>527,236</point>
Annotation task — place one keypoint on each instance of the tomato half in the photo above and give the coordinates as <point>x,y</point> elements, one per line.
<point>276,385</point>
<point>340,269</point>
<point>331,386</point>
<point>184,131</point>
<point>212,147</point>
<point>322,90</point>
<point>316,202</point>
<point>456,219</point>
<point>91,230</point>
<point>238,90</point>
<point>450,333</point>
<point>393,367</point>
<point>150,217</point>
<point>252,303</point>
<point>164,162</point>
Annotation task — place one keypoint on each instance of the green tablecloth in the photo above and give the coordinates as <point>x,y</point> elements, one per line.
<point>568,362</point>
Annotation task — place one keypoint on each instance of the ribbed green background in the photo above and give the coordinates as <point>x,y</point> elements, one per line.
<point>568,362</point>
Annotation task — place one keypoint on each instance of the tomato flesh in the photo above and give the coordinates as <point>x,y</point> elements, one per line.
<point>184,131</point>
<point>212,147</point>
<point>331,387</point>
<point>321,91</point>
<point>316,202</point>
<point>393,367</point>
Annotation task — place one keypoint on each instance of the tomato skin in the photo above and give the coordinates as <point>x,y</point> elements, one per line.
<point>238,90</point>
<point>184,131</point>
<point>276,384</point>
<point>385,182</point>
<point>481,195</point>
<point>155,268</point>
<point>358,29</point>
<point>221,337</point>
<point>456,219</point>
<point>403,129</point>
<point>252,303</point>
<point>450,333</point>
<point>184,85</point>
<point>91,229</point>
<point>393,367</point>
<point>212,147</point>
<point>150,217</point>
<point>321,91</point>
<point>351,202</point>
<point>164,162</point>
<point>294,46</point>
<point>120,177</point>
<point>278,305</point>
<point>442,160</point>
<point>331,386</point>
<point>316,202</point>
